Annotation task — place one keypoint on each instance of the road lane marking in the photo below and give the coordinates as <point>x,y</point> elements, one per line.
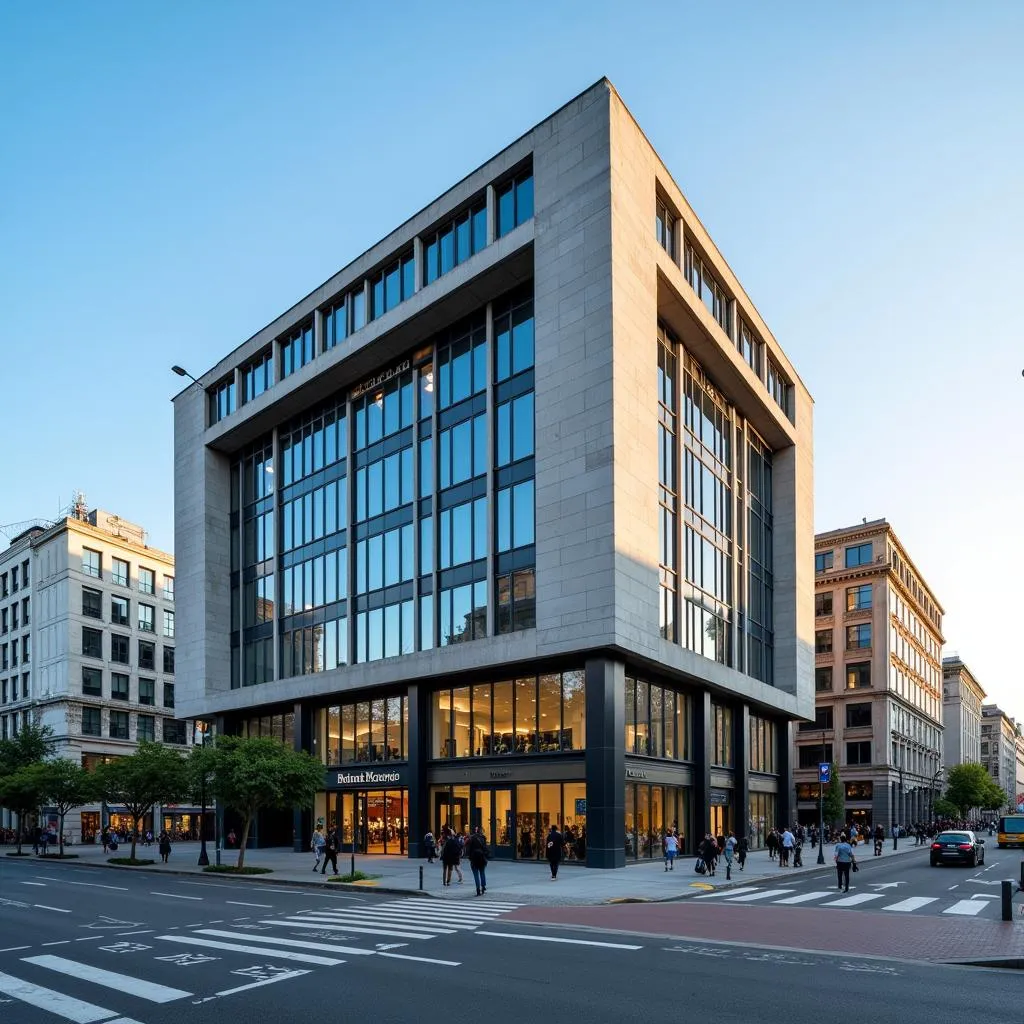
<point>13,949</point>
<point>43,906</point>
<point>42,885</point>
<point>855,900</point>
<point>421,959</point>
<point>239,903</point>
<point>148,990</point>
<point>59,942</point>
<point>305,922</point>
<point>549,938</point>
<point>762,895</point>
<point>175,896</point>
<point>966,908</point>
<point>237,947</point>
<point>97,885</point>
<point>911,903</point>
<point>258,984</point>
<point>804,897</point>
<point>296,943</point>
<point>76,1010</point>
<point>731,892</point>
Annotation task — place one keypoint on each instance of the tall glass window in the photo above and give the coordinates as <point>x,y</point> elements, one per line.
<point>515,202</point>
<point>257,376</point>
<point>462,362</point>
<point>392,285</point>
<point>364,732</point>
<point>658,721</point>
<point>760,556</point>
<point>668,458</point>
<point>296,350</point>
<point>455,241</point>
<point>257,473</point>
<point>665,226</point>
<point>222,400</point>
<point>703,281</point>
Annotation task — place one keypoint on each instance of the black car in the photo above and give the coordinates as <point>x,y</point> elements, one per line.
<point>957,848</point>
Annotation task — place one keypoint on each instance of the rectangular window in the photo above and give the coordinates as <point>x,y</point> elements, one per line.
<point>168,588</point>
<point>257,376</point>
<point>750,347</point>
<point>515,202</point>
<point>147,654</point>
<point>92,642</point>
<point>120,611</point>
<point>168,695</point>
<point>516,601</point>
<point>858,637</point>
<point>823,679</point>
<point>858,753</point>
<point>92,682</point>
<point>811,757</point>
<point>513,436</point>
<point>92,563</point>
<point>145,729</point>
<point>858,675</point>
<point>823,560</point>
<point>823,604</point>
<point>147,581</point>
<point>119,571</point>
<point>174,731</point>
<point>146,617</point>
<point>513,338</point>
<point>222,400</point>
<point>779,388</point>
<point>92,603</point>
<point>665,227</point>
<point>393,285</point>
<point>91,722</point>
<point>721,735</point>
<point>119,688</point>
<point>296,350</point>
<point>858,554</point>
<point>119,648</point>
<point>823,641</point>
<point>455,241</point>
<point>515,516</point>
<point>168,624</point>
<point>147,691</point>
<point>703,281</point>
<point>823,719</point>
<point>118,725</point>
<point>858,716</point>
<point>858,599</point>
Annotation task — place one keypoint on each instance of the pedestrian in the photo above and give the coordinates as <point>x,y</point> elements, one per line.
<point>741,851</point>
<point>730,850</point>
<point>450,853</point>
<point>845,859</point>
<point>798,856</point>
<point>553,850</point>
<point>232,839</point>
<point>788,841</point>
<point>430,847</point>
<point>708,853</point>
<point>165,846</point>
<point>772,842</point>
<point>476,850</point>
<point>330,850</point>
<point>316,844</point>
<point>671,849</point>
<point>461,839</point>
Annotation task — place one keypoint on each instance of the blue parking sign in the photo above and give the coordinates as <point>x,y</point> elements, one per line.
<point>824,772</point>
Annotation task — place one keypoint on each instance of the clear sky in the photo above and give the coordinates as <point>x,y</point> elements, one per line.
<point>173,176</point>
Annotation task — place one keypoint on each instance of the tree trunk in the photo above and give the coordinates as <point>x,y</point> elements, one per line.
<point>245,839</point>
<point>135,834</point>
<point>21,829</point>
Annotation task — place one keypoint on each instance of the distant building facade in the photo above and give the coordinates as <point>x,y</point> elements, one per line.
<point>962,698</point>
<point>999,750</point>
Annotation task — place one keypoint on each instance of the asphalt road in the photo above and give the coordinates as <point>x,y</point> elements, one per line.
<point>902,884</point>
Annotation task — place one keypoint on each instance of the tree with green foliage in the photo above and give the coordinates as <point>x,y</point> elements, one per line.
<point>154,774</point>
<point>20,792</point>
<point>835,799</point>
<point>967,786</point>
<point>65,784</point>
<point>257,773</point>
<point>944,808</point>
<point>993,799</point>
<point>30,746</point>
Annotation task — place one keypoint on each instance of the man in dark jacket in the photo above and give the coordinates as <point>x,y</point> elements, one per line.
<point>476,848</point>
<point>451,851</point>
<point>553,850</point>
<point>331,852</point>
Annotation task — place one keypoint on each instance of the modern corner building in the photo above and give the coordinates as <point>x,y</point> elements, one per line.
<point>510,521</point>
<point>87,642</point>
<point>878,680</point>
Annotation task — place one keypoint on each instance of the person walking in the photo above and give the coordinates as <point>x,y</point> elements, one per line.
<point>845,859</point>
<point>450,853</point>
<point>741,851</point>
<point>316,844</point>
<point>476,850</point>
<point>165,846</point>
<point>772,842</point>
<point>553,850</point>
<point>330,852</point>
<point>787,842</point>
<point>730,850</point>
<point>671,849</point>
<point>430,847</point>
<point>708,853</point>
<point>461,840</point>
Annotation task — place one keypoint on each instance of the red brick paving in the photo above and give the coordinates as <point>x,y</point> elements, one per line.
<point>936,938</point>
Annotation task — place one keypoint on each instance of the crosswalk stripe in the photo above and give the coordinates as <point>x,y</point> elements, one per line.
<point>397,917</point>
<point>476,904</point>
<point>425,928</point>
<point>762,895</point>
<point>132,986</point>
<point>909,904</point>
<point>324,947</point>
<point>804,897</point>
<point>237,947</point>
<point>855,900</point>
<point>407,912</point>
<point>76,1010</point>
<point>727,892</point>
<point>966,908</point>
<point>291,922</point>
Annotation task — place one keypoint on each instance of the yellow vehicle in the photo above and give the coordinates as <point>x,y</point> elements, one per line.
<point>1010,831</point>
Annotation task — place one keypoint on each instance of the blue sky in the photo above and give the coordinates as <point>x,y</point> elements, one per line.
<point>174,176</point>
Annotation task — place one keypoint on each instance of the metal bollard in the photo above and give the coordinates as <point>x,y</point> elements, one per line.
<point>421,877</point>
<point>1022,876</point>
<point>1007,888</point>
<point>352,873</point>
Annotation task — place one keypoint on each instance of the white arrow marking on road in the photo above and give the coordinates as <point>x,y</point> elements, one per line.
<point>983,881</point>
<point>886,885</point>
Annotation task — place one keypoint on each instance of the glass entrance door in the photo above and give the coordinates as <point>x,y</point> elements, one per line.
<point>492,811</point>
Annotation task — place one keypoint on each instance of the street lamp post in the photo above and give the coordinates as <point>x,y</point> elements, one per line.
<point>899,801</point>
<point>821,806</point>
<point>204,857</point>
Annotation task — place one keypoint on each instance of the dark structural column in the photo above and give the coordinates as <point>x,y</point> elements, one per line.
<point>787,808</point>
<point>703,747</point>
<point>741,773</point>
<point>606,763</point>
<point>418,743</point>
<point>302,818</point>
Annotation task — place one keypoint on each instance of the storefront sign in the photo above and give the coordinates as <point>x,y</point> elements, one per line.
<point>366,778</point>
<point>636,773</point>
<point>500,773</point>
<point>719,798</point>
<point>378,379</point>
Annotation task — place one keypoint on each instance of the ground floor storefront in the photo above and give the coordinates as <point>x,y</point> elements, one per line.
<point>612,757</point>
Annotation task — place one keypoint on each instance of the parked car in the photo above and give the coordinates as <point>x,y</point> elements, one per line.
<point>957,848</point>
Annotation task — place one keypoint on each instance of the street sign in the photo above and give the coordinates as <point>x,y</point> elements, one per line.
<point>824,772</point>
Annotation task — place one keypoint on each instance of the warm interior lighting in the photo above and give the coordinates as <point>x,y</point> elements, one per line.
<point>428,382</point>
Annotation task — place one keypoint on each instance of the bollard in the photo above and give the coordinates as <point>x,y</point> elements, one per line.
<point>352,874</point>
<point>1022,876</point>
<point>1007,888</point>
<point>421,877</point>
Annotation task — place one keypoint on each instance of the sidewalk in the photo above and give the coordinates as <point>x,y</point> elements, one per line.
<point>513,881</point>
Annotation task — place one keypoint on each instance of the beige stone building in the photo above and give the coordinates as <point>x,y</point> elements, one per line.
<point>999,737</point>
<point>878,679</point>
<point>962,698</point>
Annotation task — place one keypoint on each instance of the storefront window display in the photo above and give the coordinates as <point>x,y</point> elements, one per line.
<point>364,732</point>
<point>376,821</point>
<point>761,818</point>
<point>650,810</point>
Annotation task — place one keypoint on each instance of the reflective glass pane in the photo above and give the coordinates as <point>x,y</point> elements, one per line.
<point>481,736</point>
<point>550,710</point>
<point>461,722</point>
<point>522,427</point>
<point>526,715</point>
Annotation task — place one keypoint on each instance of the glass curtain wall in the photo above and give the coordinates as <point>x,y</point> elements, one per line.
<point>257,592</point>
<point>650,810</point>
